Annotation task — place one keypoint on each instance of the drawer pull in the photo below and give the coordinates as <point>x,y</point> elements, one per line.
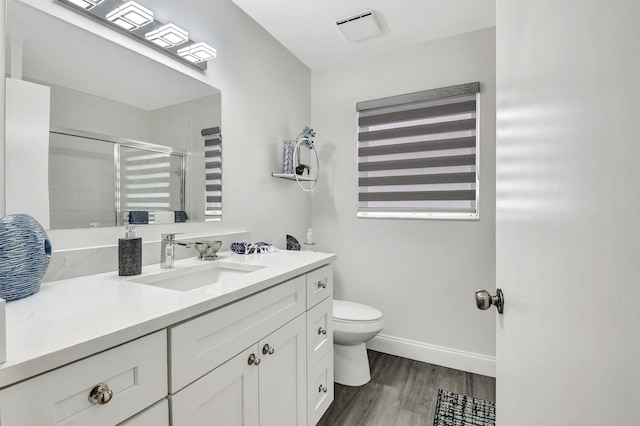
<point>268,350</point>
<point>322,389</point>
<point>322,284</point>
<point>100,394</point>
<point>253,360</point>
<point>322,330</point>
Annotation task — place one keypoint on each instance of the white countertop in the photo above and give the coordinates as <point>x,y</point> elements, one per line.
<point>71,319</point>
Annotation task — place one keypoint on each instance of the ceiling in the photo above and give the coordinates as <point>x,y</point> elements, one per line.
<point>308,28</point>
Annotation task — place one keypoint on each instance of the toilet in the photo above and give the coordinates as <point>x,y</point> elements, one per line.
<point>353,325</point>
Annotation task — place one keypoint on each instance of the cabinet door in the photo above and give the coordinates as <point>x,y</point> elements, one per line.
<point>283,375</point>
<point>156,415</point>
<point>226,396</point>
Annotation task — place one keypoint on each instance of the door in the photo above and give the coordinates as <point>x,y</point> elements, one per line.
<point>226,396</point>
<point>568,212</point>
<point>283,375</point>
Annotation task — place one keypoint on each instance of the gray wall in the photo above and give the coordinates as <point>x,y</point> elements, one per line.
<point>421,274</point>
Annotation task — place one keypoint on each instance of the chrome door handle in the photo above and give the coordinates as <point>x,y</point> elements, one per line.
<point>484,300</point>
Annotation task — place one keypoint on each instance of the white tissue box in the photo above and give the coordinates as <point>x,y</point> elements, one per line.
<point>3,331</point>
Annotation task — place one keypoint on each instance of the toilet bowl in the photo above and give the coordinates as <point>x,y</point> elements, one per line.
<point>353,325</point>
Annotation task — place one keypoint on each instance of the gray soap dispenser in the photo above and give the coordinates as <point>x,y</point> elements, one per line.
<point>129,253</point>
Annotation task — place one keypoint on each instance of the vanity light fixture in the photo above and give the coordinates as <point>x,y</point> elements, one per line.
<point>199,52</point>
<point>136,21</point>
<point>130,16</point>
<point>168,35</point>
<point>86,4</point>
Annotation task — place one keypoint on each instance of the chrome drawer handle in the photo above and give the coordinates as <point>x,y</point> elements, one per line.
<point>322,330</point>
<point>100,394</point>
<point>268,350</point>
<point>322,389</point>
<point>322,284</point>
<point>253,360</point>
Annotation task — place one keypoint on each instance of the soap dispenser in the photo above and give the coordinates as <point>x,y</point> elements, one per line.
<point>129,253</point>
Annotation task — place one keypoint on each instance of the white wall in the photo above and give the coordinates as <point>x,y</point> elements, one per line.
<point>265,99</point>
<point>422,274</point>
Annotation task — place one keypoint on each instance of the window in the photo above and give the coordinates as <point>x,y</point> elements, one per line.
<point>418,154</point>
<point>213,173</point>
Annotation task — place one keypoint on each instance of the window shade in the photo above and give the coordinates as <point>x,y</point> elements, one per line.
<point>213,172</point>
<point>146,178</point>
<point>417,154</point>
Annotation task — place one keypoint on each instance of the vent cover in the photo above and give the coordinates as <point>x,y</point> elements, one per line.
<point>360,26</point>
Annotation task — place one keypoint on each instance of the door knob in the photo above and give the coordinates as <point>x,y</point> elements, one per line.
<point>484,300</point>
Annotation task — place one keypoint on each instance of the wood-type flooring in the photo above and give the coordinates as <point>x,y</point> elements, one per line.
<point>401,392</point>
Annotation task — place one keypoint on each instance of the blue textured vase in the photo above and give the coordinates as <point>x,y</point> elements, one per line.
<point>25,253</point>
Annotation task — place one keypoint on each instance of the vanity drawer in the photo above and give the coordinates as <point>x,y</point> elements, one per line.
<point>319,331</point>
<point>320,389</point>
<point>200,345</point>
<point>136,373</point>
<point>319,285</point>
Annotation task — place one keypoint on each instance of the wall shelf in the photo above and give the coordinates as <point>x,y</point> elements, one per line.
<point>291,176</point>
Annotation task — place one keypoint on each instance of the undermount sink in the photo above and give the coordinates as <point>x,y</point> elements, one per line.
<point>185,279</point>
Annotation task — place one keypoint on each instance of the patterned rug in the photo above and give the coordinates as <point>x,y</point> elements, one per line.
<point>453,409</point>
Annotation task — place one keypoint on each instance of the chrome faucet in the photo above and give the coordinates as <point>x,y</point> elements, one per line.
<point>167,249</point>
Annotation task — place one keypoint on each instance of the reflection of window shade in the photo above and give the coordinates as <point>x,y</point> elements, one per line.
<point>213,172</point>
<point>417,154</point>
<point>145,180</point>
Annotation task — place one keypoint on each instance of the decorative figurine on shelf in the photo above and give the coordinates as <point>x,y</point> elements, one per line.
<point>304,139</point>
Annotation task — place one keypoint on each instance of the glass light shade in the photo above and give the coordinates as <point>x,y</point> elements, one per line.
<point>86,4</point>
<point>168,35</point>
<point>198,52</point>
<point>130,16</point>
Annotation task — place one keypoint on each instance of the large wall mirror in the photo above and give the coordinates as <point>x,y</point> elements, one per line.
<point>101,93</point>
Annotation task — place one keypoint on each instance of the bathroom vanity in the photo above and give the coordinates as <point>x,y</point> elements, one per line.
<point>255,348</point>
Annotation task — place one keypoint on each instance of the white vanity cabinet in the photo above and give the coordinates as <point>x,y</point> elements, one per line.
<point>134,374</point>
<point>265,360</point>
<point>262,357</point>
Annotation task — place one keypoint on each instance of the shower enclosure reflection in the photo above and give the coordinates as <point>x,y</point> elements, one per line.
<point>96,180</point>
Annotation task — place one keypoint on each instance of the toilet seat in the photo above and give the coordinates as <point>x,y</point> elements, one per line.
<point>352,312</point>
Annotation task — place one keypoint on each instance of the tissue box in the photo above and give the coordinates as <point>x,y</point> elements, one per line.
<point>3,331</point>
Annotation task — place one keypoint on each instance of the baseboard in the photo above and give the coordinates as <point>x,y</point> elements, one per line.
<point>438,355</point>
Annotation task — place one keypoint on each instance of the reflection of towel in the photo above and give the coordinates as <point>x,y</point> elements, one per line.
<point>139,217</point>
<point>181,216</point>
<point>248,248</point>
<point>164,217</point>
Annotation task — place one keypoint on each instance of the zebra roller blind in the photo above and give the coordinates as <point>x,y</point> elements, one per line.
<point>418,154</point>
<point>213,172</point>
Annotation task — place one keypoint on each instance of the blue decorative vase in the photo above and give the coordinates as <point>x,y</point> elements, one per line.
<point>25,253</point>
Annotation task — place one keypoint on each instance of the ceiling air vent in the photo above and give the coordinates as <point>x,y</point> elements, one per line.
<point>359,26</point>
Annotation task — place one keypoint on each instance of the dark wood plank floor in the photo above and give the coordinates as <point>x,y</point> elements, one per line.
<point>401,392</point>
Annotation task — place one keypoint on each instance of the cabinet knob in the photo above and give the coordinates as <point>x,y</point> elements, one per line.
<point>322,330</point>
<point>253,360</point>
<point>322,284</point>
<point>268,350</point>
<point>322,389</point>
<point>100,394</point>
